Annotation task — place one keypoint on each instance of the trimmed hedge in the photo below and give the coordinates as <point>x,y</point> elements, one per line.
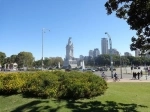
<point>54,84</point>
<point>11,83</point>
<point>41,84</point>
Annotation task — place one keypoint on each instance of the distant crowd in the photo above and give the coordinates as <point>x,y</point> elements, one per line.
<point>137,75</point>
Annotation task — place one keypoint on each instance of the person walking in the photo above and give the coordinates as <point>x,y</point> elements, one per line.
<point>115,76</point>
<point>103,75</point>
<point>141,73</point>
<point>138,74</point>
<point>133,77</point>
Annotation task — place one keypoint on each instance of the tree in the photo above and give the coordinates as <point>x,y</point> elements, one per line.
<point>7,60</point>
<point>90,61</point>
<point>37,63</point>
<point>2,58</point>
<point>137,15</point>
<point>13,58</point>
<point>103,59</point>
<point>25,59</point>
<point>47,62</point>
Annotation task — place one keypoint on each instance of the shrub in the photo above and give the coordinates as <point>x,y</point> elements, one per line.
<point>75,85</point>
<point>41,84</point>
<point>53,84</point>
<point>10,83</point>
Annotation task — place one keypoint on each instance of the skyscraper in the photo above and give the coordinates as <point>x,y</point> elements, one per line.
<point>96,52</point>
<point>114,52</point>
<point>127,54</point>
<point>137,52</point>
<point>104,45</point>
<point>91,53</point>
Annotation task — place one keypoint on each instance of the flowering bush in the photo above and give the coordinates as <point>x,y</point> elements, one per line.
<point>75,85</point>
<point>10,83</point>
<point>55,84</point>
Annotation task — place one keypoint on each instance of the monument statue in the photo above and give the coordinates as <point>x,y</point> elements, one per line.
<point>69,60</point>
<point>69,41</point>
<point>69,49</point>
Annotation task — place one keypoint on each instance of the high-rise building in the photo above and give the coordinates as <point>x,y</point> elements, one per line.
<point>81,57</point>
<point>137,53</point>
<point>104,46</point>
<point>114,51</point>
<point>127,54</point>
<point>96,52</point>
<point>91,53</point>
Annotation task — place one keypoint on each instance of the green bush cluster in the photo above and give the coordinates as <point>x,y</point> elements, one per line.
<point>53,84</point>
<point>11,83</point>
<point>41,84</point>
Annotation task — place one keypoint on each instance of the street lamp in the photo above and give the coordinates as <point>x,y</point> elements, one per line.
<point>120,67</point>
<point>43,31</point>
<point>111,60</point>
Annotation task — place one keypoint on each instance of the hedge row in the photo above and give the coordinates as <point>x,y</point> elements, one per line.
<point>56,84</point>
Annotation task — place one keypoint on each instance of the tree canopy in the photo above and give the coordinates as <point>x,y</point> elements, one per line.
<point>2,58</point>
<point>25,59</point>
<point>137,15</point>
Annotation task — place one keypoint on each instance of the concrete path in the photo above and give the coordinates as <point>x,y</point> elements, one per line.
<point>130,80</point>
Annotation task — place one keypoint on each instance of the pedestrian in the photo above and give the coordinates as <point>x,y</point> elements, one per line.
<point>115,76</point>
<point>138,74</point>
<point>141,73</point>
<point>103,75</point>
<point>133,75</point>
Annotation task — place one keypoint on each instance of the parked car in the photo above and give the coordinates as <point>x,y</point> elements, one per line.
<point>114,69</point>
<point>103,69</point>
<point>96,69</point>
<point>93,70</point>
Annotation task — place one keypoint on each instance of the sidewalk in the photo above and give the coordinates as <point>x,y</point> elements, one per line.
<point>130,80</point>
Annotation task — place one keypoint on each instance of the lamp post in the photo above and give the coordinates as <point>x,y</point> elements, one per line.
<point>120,67</point>
<point>43,31</point>
<point>111,60</point>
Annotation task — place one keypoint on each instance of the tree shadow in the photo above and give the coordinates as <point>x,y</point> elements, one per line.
<point>97,106</point>
<point>31,106</point>
<point>78,106</point>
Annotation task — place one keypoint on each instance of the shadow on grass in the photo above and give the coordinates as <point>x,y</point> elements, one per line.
<point>108,106</point>
<point>79,106</point>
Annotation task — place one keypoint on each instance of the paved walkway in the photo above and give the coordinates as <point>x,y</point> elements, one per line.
<point>130,80</point>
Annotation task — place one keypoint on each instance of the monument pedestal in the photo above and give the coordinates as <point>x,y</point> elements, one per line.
<point>70,64</point>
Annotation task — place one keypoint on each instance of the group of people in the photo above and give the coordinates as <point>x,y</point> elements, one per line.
<point>137,75</point>
<point>104,76</point>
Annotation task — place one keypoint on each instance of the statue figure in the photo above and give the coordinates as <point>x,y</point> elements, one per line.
<point>69,41</point>
<point>69,60</point>
<point>69,49</point>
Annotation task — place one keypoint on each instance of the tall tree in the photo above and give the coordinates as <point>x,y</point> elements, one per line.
<point>2,58</point>
<point>13,58</point>
<point>37,63</point>
<point>25,59</point>
<point>7,60</point>
<point>137,15</point>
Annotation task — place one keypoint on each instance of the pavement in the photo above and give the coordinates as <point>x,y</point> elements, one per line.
<point>126,75</point>
<point>129,80</point>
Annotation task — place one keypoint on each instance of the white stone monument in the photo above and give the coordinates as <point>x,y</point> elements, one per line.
<point>83,65</point>
<point>69,61</point>
<point>58,64</point>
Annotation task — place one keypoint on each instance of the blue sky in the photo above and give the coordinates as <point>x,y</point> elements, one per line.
<point>86,21</point>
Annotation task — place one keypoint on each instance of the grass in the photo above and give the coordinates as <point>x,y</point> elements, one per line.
<point>120,97</point>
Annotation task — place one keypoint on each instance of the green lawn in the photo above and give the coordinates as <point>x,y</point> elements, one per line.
<point>120,97</point>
